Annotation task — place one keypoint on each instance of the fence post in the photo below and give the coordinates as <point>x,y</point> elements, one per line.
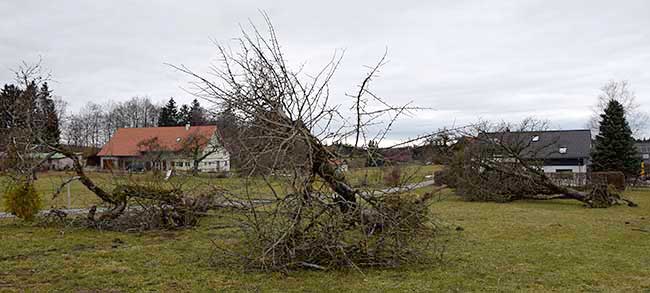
<point>68,195</point>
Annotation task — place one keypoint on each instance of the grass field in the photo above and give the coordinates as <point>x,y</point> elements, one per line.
<point>527,245</point>
<point>80,197</point>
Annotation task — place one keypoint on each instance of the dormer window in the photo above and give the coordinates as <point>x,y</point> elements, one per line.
<point>562,150</point>
<point>535,138</point>
<point>178,139</point>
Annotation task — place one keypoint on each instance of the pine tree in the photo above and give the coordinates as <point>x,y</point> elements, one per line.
<point>184,115</point>
<point>197,113</point>
<point>9,96</point>
<point>49,120</point>
<point>615,149</point>
<point>169,114</point>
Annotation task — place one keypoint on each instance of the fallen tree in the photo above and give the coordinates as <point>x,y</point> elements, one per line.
<point>319,220</point>
<point>501,164</point>
<point>175,208</point>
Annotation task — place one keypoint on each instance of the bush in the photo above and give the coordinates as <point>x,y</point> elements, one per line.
<point>22,200</point>
<point>393,176</point>
<point>389,231</point>
<point>445,177</point>
<point>615,178</point>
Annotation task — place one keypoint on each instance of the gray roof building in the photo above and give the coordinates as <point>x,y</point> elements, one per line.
<point>644,151</point>
<point>549,144</point>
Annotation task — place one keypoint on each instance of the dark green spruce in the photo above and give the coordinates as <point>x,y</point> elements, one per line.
<point>614,148</point>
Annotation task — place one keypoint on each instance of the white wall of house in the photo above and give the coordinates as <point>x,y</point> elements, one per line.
<point>573,168</point>
<point>181,164</point>
<point>218,159</point>
<point>63,163</point>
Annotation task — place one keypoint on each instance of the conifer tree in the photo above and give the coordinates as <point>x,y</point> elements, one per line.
<point>184,115</point>
<point>615,148</point>
<point>197,113</point>
<point>49,119</point>
<point>169,114</point>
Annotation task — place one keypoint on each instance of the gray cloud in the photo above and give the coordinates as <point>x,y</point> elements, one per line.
<point>466,59</point>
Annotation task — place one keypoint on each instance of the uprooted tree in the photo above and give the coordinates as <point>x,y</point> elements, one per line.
<point>504,163</point>
<point>310,216</point>
<point>317,219</point>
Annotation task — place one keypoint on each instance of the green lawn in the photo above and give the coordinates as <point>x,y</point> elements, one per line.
<point>80,197</point>
<point>531,246</point>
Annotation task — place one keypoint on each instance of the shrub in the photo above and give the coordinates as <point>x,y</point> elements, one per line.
<point>393,177</point>
<point>388,231</point>
<point>445,177</point>
<point>22,200</point>
<point>615,178</point>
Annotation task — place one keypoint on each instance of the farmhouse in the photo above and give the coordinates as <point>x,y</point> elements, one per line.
<point>166,148</point>
<point>559,150</point>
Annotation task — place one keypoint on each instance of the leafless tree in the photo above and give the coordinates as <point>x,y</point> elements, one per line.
<point>620,91</point>
<point>314,217</point>
<point>21,124</point>
<point>198,147</point>
<point>502,163</point>
<point>152,151</point>
<point>94,124</point>
<point>285,117</point>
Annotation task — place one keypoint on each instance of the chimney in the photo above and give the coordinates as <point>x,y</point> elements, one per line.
<point>187,126</point>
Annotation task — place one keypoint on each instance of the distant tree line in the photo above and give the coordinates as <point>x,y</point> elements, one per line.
<point>94,124</point>
<point>28,112</point>
<point>193,114</point>
<point>30,106</point>
<point>29,117</point>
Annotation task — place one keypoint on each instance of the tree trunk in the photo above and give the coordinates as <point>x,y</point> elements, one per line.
<point>324,167</point>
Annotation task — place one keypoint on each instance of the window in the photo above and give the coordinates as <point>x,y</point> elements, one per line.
<point>563,171</point>
<point>178,139</point>
<point>535,138</point>
<point>646,156</point>
<point>562,150</point>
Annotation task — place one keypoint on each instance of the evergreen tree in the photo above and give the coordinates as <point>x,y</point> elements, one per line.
<point>28,115</point>
<point>197,114</point>
<point>615,149</point>
<point>184,115</point>
<point>9,96</point>
<point>169,114</point>
<point>48,118</point>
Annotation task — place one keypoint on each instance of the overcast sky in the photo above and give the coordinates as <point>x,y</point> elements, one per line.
<point>498,60</point>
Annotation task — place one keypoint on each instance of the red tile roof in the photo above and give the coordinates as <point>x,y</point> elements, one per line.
<point>125,140</point>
